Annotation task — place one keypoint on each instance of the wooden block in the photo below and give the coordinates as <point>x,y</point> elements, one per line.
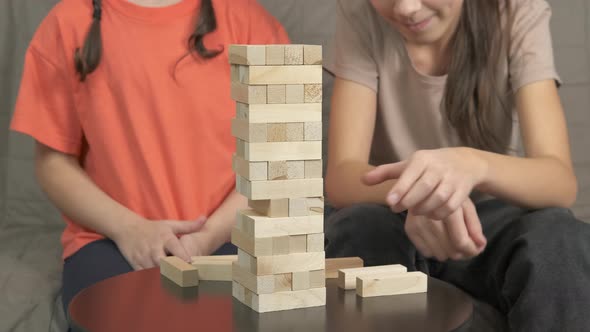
<point>295,132</point>
<point>347,277</point>
<point>256,190</point>
<point>247,54</point>
<point>280,113</point>
<point>262,284</point>
<point>281,300</point>
<point>277,170</point>
<point>278,151</point>
<point>271,208</point>
<point>255,246</point>
<point>392,284</point>
<point>214,258</point>
<point>253,171</point>
<point>277,132</point>
<point>335,264</point>
<point>294,54</point>
<point>271,75</point>
<point>297,244</point>
<point>248,94</point>
<point>276,94</point>
<point>305,206</point>
<point>249,132</point>
<point>275,55</point>
<point>313,169</point>
<point>180,272</point>
<point>317,279</point>
<point>278,264</point>
<point>313,93</point>
<point>313,131</point>
<point>281,245</point>
<point>301,280</point>
<point>315,242</point>
<point>214,269</point>
<point>295,169</point>
<point>258,225</point>
<point>295,94</point>
<point>312,54</point>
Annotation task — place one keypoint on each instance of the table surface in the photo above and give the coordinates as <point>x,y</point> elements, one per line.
<point>145,301</point>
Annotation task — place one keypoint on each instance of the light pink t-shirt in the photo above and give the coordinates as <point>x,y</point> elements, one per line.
<point>370,51</point>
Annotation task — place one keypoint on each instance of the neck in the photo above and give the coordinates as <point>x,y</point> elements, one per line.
<point>154,3</point>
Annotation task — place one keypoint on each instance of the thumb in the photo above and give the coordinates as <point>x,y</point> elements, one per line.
<point>175,248</point>
<point>186,227</point>
<point>383,173</point>
<point>473,224</point>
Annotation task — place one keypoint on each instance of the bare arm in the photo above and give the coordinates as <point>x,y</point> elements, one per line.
<point>352,122</point>
<point>545,177</point>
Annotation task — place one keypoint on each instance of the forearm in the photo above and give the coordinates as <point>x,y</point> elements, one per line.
<point>530,182</point>
<point>344,186</point>
<point>220,223</point>
<point>71,190</point>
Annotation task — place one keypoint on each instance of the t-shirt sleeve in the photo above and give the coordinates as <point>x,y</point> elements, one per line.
<point>531,50</point>
<point>44,108</point>
<point>351,56</point>
<point>263,27</point>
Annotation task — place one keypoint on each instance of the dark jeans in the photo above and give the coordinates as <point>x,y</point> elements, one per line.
<point>535,269</point>
<point>100,260</point>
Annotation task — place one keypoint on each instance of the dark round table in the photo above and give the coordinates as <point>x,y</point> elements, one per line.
<point>145,301</point>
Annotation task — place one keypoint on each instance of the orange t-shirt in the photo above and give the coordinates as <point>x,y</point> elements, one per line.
<point>157,122</point>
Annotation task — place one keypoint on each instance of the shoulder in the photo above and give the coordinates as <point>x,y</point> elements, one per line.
<point>527,10</point>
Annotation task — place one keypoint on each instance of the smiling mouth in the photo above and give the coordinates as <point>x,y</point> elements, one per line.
<point>419,26</point>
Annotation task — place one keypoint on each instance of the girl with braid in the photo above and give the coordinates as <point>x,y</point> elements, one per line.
<point>430,102</point>
<point>129,104</point>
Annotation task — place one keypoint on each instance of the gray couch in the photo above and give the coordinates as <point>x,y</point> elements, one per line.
<point>30,273</point>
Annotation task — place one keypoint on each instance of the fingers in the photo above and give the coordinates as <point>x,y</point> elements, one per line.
<point>423,188</point>
<point>473,224</point>
<point>186,227</point>
<point>459,238</point>
<point>175,248</point>
<point>436,200</point>
<point>403,185</point>
<point>383,173</point>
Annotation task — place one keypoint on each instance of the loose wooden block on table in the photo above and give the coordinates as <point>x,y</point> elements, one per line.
<point>248,94</point>
<point>281,263</point>
<point>312,54</point>
<point>335,264</point>
<point>257,225</point>
<point>253,171</point>
<point>347,277</point>
<point>179,271</point>
<point>275,55</point>
<point>279,151</point>
<point>257,190</point>
<point>272,208</point>
<point>305,206</point>
<point>279,113</point>
<point>293,54</point>
<point>272,75</point>
<point>313,169</point>
<point>392,284</point>
<point>281,300</point>
<point>214,268</point>
<point>247,54</point>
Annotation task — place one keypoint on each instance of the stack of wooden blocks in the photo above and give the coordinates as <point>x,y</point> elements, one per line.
<point>278,165</point>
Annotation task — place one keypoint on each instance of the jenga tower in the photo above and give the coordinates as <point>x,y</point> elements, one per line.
<point>278,165</point>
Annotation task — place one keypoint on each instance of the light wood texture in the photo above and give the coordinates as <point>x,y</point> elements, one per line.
<point>315,242</point>
<point>301,280</point>
<point>278,151</point>
<point>297,244</point>
<point>317,279</point>
<point>248,94</point>
<point>249,132</point>
<point>277,264</point>
<point>275,55</point>
<point>347,277</point>
<point>392,284</point>
<point>277,132</point>
<point>295,169</point>
<point>270,208</point>
<point>276,94</point>
<point>277,170</point>
<point>281,300</point>
<point>313,169</point>
<point>256,190</point>
<point>253,171</point>
<point>295,132</point>
<point>313,131</point>
<point>295,94</point>
<point>258,225</point>
<point>263,284</point>
<point>281,245</point>
<point>313,93</point>
<point>335,264</point>
<point>312,54</point>
<point>277,245</point>
<point>247,54</point>
<point>255,246</point>
<point>280,113</point>
<point>294,54</point>
<point>180,272</point>
<point>271,75</point>
<point>305,206</point>
<point>214,268</point>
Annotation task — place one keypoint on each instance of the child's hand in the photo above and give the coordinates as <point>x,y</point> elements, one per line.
<point>432,183</point>
<point>195,244</point>
<point>146,242</point>
<point>457,237</point>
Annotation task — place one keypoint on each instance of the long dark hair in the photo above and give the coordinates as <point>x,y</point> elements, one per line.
<point>88,58</point>
<point>471,96</point>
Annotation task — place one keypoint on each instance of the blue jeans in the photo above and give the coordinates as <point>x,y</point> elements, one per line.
<point>535,269</point>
